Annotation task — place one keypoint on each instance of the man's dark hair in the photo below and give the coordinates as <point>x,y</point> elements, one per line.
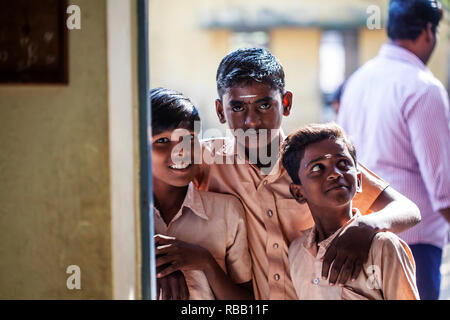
<point>293,148</point>
<point>171,110</point>
<point>249,64</point>
<point>408,18</point>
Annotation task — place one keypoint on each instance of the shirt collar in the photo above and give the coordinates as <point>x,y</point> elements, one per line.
<point>392,51</point>
<point>230,147</point>
<point>319,249</point>
<point>193,201</point>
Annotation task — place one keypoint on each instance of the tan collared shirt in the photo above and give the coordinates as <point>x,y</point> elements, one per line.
<point>274,218</point>
<point>215,222</point>
<point>388,274</point>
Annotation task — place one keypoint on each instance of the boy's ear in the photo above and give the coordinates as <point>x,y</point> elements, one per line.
<point>287,103</point>
<point>359,181</point>
<point>296,191</point>
<point>219,111</point>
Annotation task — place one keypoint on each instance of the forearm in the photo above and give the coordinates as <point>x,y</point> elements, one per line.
<point>445,213</point>
<point>392,212</point>
<point>221,284</point>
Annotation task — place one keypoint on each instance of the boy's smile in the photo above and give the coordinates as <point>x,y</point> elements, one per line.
<point>255,108</point>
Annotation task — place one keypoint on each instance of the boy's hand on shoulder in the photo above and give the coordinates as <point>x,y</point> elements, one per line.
<point>179,255</point>
<point>349,251</point>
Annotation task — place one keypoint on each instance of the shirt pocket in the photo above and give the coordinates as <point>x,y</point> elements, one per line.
<point>349,293</point>
<point>294,217</point>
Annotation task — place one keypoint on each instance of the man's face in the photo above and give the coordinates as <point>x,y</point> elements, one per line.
<point>254,106</point>
<point>328,175</point>
<point>173,157</point>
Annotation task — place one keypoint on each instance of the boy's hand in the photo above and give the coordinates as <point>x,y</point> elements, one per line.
<point>349,251</point>
<point>173,287</point>
<point>179,255</point>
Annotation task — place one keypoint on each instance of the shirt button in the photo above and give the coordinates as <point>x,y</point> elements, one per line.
<point>316,280</point>
<point>275,245</point>
<point>265,182</point>
<point>277,276</point>
<point>270,213</point>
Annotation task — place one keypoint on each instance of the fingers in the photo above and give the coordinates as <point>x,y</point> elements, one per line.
<point>328,259</point>
<point>336,269</point>
<point>160,261</point>
<point>346,271</point>
<point>166,248</point>
<point>165,292</point>
<point>357,270</point>
<point>166,271</point>
<point>182,286</point>
<point>163,239</point>
<point>173,283</point>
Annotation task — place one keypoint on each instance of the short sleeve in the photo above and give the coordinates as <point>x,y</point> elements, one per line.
<point>396,267</point>
<point>238,261</point>
<point>372,186</point>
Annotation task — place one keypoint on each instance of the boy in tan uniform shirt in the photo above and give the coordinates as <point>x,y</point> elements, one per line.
<point>322,164</point>
<point>252,96</point>
<point>202,234</point>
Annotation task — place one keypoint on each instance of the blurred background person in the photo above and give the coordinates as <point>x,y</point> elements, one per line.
<point>397,113</point>
<point>335,100</point>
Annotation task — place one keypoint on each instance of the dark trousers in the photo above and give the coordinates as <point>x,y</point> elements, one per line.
<point>428,262</point>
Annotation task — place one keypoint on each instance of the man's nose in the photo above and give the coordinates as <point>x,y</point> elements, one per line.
<point>252,119</point>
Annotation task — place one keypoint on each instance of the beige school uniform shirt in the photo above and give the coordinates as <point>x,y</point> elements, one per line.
<point>388,274</point>
<point>274,218</point>
<point>215,222</point>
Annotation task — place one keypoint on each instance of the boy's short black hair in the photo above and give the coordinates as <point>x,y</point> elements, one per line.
<point>171,110</point>
<point>249,64</point>
<point>408,18</point>
<point>293,148</point>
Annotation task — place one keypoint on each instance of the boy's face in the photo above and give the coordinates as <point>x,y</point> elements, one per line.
<point>328,175</point>
<point>255,106</point>
<point>173,157</point>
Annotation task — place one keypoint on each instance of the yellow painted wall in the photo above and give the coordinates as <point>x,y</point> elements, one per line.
<point>183,56</point>
<point>54,175</point>
<point>298,51</point>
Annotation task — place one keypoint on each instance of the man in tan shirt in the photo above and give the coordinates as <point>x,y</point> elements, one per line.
<point>322,164</point>
<point>252,97</point>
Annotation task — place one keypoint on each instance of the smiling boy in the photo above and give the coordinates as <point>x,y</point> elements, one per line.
<point>202,234</point>
<point>252,95</point>
<point>321,161</point>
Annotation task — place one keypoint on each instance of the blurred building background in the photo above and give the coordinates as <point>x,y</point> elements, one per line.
<point>69,160</point>
<point>319,43</point>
